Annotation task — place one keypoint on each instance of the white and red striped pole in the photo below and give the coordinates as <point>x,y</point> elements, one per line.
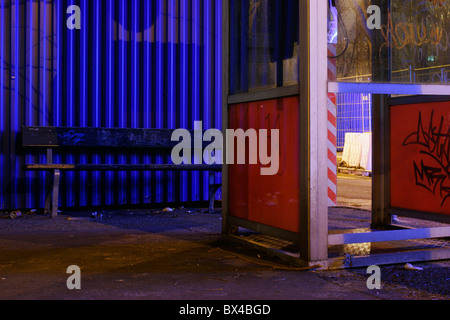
<point>332,130</point>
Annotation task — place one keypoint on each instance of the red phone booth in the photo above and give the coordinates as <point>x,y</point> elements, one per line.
<point>271,86</point>
<point>285,64</point>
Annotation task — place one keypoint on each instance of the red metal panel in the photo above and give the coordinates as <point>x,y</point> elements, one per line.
<point>269,200</point>
<point>420,157</point>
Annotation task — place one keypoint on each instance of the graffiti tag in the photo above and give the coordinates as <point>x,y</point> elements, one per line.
<point>434,141</point>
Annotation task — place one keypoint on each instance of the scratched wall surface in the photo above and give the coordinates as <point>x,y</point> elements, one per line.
<point>412,46</point>
<point>133,64</point>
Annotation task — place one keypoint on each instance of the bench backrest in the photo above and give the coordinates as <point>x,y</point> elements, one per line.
<point>52,137</point>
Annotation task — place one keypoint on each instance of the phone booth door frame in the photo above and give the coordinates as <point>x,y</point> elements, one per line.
<point>311,92</point>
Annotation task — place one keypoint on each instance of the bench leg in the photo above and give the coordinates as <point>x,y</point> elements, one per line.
<point>56,179</point>
<point>52,194</point>
<point>48,194</point>
<point>213,188</point>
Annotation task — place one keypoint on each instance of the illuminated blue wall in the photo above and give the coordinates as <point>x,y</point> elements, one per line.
<point>133,64</point>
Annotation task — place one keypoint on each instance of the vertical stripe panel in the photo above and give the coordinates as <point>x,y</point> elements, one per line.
<point>3,88</point>
<point>184,83</point>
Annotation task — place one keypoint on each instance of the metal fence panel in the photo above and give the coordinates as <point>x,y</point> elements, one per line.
<point>354,114</point>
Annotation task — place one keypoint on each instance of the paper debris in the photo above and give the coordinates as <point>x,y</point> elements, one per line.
<point>409,266</point>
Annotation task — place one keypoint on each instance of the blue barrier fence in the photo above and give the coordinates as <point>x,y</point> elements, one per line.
<point>354,114</point>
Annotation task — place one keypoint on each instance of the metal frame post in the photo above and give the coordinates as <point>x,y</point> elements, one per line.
<point>381,162</point>
<point>226,227</point>
<point>313,73</point>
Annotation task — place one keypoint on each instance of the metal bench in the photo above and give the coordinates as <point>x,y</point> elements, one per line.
<point>75,139</point>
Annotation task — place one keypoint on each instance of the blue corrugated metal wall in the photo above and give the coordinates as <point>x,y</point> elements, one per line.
<point>133,64</point>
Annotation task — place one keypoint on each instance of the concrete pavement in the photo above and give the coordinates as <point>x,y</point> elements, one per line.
<point>179,255</point>
<point>354,191</point>
<point>171,256</point>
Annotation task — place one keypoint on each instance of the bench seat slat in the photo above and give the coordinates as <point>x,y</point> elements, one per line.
<point>122,167</point>
<point>74,139</point>
<point>53,137</point>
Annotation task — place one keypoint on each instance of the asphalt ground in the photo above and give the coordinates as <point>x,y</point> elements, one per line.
<point>354,191</point>
<point>179,256</point>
